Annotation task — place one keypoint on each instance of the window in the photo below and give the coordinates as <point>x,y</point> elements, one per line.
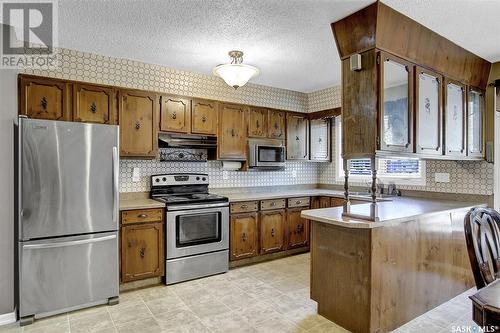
<point>397,170</point>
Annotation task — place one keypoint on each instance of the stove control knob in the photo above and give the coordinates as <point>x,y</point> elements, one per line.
<point>157,180</point>
<point>197,178</point>
<point>203,179</point>
<point>164,179</point>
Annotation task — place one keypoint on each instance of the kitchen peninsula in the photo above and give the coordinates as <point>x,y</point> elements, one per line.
<point>376,276</point>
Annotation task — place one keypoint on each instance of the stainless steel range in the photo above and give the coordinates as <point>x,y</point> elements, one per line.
<point>197,226</point>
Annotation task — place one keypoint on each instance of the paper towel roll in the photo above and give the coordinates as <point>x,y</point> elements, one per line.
<point>227,165</point>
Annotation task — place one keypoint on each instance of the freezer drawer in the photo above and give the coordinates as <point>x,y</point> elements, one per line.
<point>68,272</point>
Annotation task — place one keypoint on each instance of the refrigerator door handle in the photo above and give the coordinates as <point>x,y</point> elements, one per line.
<point>115,183</point>
<point>69,243</point>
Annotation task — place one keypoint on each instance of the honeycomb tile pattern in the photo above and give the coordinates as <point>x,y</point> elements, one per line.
<point>306,173</point>
<point>88,67</point>
<point>328,98</point>
<point>469,177</point>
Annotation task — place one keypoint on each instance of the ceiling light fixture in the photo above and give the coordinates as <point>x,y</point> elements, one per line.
<point>236,74</point>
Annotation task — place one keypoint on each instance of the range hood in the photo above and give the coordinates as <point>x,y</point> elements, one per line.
<point>170,140</point>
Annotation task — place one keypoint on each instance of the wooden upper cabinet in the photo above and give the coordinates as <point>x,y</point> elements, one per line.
<point>94,104</point>
<point>244,235</point>
<point>396,103</point>
<point>138,124</point>
<point>320,140</point>
<point>297,137</point>
<point>44,98</point>
<point>276,123</point>
<point>475,124</point>
<point>428,106</point>
<point>257,122</point>
<point>175,114</point>
<point>297,229</point>
<point>454,118</point>
<point>272,231</point>
<point>204,117</point>
<point>142,254</point>
<point>231,141</point>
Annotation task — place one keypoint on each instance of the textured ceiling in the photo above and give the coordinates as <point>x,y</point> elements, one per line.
<point>290,41</point>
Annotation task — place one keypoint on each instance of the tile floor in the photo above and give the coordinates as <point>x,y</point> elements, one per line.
<point>268,297</point>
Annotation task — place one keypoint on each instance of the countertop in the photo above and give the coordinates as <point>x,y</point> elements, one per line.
<point>288,193</point>
<point>139,200</point>
<point>400,209</point>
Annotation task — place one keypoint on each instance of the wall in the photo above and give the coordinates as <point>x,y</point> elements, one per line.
<point>305,173</point>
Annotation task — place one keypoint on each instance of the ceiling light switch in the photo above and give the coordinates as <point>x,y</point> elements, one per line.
<point>442,177</point>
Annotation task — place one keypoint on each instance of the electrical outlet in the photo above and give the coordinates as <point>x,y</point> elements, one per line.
<point>225,174</point>
<point>294,173</point>
<point>442,177</point>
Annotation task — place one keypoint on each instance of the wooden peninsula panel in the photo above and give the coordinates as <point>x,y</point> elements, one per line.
<point>377,279</point>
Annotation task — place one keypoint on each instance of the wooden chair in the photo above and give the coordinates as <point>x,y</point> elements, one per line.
<point>482,234</point>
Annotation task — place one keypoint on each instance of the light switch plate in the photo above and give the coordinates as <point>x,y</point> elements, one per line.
<point>225,174</point>
<point>136,175</point>
<point>442,177</point>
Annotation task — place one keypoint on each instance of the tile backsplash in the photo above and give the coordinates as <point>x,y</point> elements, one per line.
<point>294,173</point>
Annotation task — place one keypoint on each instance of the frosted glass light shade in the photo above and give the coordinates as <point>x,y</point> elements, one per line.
<point>236,75</point>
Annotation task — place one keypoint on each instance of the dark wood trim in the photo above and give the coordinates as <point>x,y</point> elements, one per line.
<point>325,114</point>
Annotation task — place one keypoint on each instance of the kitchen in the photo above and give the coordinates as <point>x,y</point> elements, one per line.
<point>201,202</point>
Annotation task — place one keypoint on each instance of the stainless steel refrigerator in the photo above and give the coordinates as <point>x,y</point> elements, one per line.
<point>67,216</point>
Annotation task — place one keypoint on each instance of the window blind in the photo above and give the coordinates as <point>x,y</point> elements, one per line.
<point>401,168</point>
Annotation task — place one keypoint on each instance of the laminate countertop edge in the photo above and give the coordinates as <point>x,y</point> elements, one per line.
<point>391,213</point>
<point>140,203</point>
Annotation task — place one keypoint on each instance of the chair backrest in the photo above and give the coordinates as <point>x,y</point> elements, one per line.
<point>482,234</point>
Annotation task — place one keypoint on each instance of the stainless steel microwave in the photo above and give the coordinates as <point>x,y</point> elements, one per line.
<point>266,155</point>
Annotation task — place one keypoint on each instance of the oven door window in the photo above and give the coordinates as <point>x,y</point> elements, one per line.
<point>196,229</point>
<point>271,154</point>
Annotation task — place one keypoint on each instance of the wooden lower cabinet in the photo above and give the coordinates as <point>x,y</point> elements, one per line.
<point>244,230</point>
<point>297,228</point>
<point>272,231</point>
<point>142,253</point>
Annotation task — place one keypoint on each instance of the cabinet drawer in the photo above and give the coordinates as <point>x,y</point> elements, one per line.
<point>142,216</point>
<point>272,204</point>
<point>299,202</point>
<point>244,207</point>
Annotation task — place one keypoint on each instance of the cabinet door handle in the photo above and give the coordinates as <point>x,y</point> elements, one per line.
<point>320,140</point>
<point>244,237</point>
<point>142,252</point>
<point>300,228</point>
<point>93,107</point>
<point>137,125</point>
<point>244,206</point>
<point>233,132</point>
<point>142,216</point>
<point>272,232</point>
<point>257,124</point>
<point>174,115</point>
<point>203,119</point>
<point>44,103</point>
<point>297,138</point>
<point>298,202</point>
<point>273,204</point>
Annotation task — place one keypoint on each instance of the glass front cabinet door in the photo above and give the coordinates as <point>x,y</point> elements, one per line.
<point>454,118</point>
<point>395,104</point>
<point>475,111</point>
<point>428,108</point>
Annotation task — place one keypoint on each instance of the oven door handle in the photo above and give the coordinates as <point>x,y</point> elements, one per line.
<point>202,206</point>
